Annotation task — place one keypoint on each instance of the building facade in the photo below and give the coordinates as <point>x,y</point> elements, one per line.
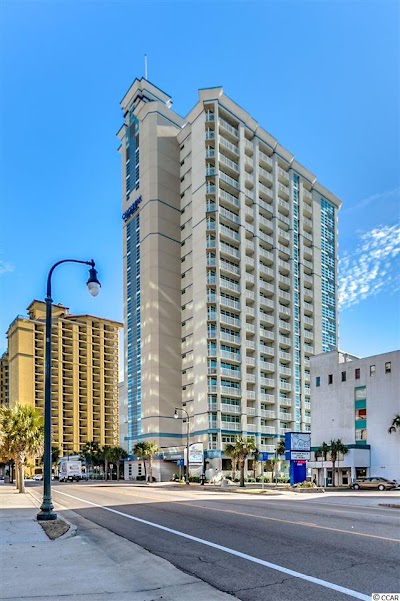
<point>356,400</point>
<point>84,379</point>
<point>4,384</point>
<point>230,266</point>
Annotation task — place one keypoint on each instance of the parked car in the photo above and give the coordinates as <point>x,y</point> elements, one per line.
<point>37,477</point>
<point>373,482</point>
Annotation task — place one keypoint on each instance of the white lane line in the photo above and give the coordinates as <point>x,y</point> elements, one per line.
<point>267,564</point>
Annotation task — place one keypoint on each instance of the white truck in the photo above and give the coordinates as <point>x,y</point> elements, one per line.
<point>70,470</point>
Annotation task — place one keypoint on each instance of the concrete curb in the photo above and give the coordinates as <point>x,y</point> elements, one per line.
<point>72,530</point>
<point>318,489</point>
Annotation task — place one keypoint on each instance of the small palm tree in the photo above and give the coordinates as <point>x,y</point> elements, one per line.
<point>140,451</point>
<point>117,455</point>
<point>336,448</point>
<point>395,425</point>
<point>152,449</point>
<point>230,451</point>
<point>21,436</point>
<point>147,450</point>
<point>280,447</point>
<point>322,451</point>
<point>244,447</point>
<point>106,454</point>
<point>55,456</point>
<point>91,453</point>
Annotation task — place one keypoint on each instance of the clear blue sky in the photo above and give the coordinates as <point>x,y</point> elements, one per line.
<point>322,77</point>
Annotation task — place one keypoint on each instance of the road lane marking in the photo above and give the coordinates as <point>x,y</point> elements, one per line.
<point>267,564</point>
<point>263,517</point>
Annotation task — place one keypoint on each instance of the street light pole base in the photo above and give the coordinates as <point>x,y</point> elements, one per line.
<point>46,516</point>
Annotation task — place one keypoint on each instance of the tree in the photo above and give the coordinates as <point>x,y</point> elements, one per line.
<point>255,459</point>
<point>244,447</point>
<point>147,450</point>
<point>280,447</point>
<point>322,451</point>
<point>152,449</point>
<point>231,452</point>
<point>395,425</point>
<point>21,436</point>
<point>336,448</point>
<point>117,455</point>
<point>140,451</point>
<point>55,455</point>
<point>91,454</point>
<point>106,455</point>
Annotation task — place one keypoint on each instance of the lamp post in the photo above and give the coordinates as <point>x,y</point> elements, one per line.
<point>176,416</point>
<point>93,284</point>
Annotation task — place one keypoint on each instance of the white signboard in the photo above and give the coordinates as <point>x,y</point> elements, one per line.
<point>196,453</point>
<point>300,441</point>
<point>299,455</point>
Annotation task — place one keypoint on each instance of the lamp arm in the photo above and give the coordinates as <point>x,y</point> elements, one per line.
<point>91,263</point>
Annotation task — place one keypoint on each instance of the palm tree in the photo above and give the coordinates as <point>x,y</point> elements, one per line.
<point>336,448</point>
<point>152,449</point>
<point>55,456</point>
<point>395,425</point>
<point>244,447</point>
<point>117,455</point>
<point>230,451</point>
<point>147,450</point>
<point>280,447</point>
<point>106,456</point>
<point>322,451</point>
<point>255,459</point>
<point>21,436</point>
<point>90,453</point>
<point>140,451</point>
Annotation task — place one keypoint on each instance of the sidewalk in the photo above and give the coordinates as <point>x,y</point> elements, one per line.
<point>94,565</point>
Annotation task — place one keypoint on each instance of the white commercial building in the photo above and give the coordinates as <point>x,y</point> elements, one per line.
<point>356,400</point>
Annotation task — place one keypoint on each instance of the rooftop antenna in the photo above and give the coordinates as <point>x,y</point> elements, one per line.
<point>145,66</point>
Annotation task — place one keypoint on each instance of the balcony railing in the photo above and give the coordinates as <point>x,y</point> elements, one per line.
<point>228,127</point>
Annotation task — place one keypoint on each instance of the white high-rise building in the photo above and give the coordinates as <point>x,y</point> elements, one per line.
<point>230,265</point>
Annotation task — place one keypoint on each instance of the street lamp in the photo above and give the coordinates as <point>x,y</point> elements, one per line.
<point>93,284</point>
<point>276,466</point>
<point>176,416</point>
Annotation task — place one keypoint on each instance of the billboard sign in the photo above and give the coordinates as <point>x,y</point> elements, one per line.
<point>298,441</point>
<point>196,453</point>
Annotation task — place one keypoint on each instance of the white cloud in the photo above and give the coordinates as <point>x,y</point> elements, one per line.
<point>5,267</point>
<point>375,198</point>
<point>372,268</point>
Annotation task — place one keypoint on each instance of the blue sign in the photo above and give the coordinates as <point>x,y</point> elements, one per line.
<point>263,456</point>
<point>180,462</point>
<point>132,209</point>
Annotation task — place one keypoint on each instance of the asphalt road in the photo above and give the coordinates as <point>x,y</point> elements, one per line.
<point>256,548</point>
